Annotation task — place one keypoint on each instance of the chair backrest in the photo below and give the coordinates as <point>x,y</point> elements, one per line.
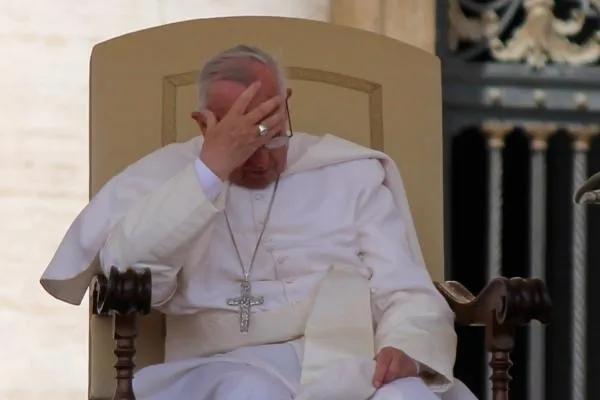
<point>361,86</point>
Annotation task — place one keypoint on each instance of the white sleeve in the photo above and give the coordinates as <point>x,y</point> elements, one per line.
<point>211,184</point>
<point>156,231</point>
<point>409,312</point>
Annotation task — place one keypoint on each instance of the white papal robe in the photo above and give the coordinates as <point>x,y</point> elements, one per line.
<point>339,268</point>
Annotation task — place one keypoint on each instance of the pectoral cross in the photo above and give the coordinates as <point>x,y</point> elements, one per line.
<point>245,301</point>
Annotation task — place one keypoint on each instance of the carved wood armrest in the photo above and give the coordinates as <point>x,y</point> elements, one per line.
<point>502,306</point>
<point>124,296</point>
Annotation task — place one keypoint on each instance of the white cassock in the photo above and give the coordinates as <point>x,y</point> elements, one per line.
<point>339,267</point>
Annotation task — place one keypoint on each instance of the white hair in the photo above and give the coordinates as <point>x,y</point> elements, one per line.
<point>222,67</point>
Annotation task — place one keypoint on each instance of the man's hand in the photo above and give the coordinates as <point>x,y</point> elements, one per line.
<point>392,364</point>
<point>231,141</point>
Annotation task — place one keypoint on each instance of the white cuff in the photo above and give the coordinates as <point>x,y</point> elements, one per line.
<point>210,183</point>
<point>418,367</point>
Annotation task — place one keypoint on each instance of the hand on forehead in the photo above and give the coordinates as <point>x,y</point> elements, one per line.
<point>223,94</point>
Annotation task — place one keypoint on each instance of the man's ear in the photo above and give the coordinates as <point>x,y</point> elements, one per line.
<point>288,93</point>
<point>200,119</point>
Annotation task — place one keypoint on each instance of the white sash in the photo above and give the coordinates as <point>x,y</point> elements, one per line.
<point>338,340</point>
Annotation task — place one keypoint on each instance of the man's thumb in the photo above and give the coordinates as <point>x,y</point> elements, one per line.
<point>209,118</point>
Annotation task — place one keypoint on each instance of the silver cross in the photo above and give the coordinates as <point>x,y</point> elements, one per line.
<point>245,301</point>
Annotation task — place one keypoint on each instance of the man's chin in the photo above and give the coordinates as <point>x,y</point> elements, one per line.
<point>256,180</point>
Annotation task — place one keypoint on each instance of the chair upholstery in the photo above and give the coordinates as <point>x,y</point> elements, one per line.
<point>358,85</point>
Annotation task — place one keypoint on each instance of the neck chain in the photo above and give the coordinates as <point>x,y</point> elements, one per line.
<point>246,273</point>
<point>245,301</point>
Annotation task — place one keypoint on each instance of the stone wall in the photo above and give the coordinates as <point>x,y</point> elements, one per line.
<point>45,48</point>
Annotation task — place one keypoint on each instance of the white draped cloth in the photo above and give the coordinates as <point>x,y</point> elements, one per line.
<point>340,269</point>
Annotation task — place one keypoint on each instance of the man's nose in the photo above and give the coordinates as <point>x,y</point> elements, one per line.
<point>260,159</point>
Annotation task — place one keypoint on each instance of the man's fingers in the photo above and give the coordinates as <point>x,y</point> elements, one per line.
<point>381,369</point>
<point>241,103</point>
<point>274,123</point>
<point>394,370</point>
<point>264,109</point>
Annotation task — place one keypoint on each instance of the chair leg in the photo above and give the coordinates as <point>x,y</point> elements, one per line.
<point>124,332</point>
<point>500,378</point>
<point>125,296</point>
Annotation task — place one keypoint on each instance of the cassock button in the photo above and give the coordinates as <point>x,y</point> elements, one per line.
<point>258,196</point>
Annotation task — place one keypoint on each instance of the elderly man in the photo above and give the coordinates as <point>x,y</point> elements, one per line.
<point>287,264</point>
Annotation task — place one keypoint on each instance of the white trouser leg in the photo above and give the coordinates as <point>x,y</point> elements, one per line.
<point>405,389</point>
<point>415,389</point>
<point>235,376</point>
<point>458,391</point>
<point>240,382</point>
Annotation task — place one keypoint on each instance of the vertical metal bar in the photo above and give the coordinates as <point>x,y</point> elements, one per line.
<point>579,234</point>
<point>494,259</point>
<point>537,242</point>
<point>496,133</point>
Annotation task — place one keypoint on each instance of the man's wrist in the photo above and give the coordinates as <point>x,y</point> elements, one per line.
<point>214,166</point>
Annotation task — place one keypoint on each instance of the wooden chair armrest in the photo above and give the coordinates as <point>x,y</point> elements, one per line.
<point>502,306</point>
<point>124,296</point>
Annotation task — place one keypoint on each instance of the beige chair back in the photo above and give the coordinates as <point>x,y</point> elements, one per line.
<point>361,86</point>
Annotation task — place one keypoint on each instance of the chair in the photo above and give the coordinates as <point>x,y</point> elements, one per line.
<point>379,92</point>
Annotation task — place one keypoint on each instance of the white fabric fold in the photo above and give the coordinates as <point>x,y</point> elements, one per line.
<point>72,267</point>
<point>348,379</point>
<point>339,328</point>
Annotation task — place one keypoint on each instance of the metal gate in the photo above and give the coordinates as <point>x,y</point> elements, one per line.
<point>521,115</point>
